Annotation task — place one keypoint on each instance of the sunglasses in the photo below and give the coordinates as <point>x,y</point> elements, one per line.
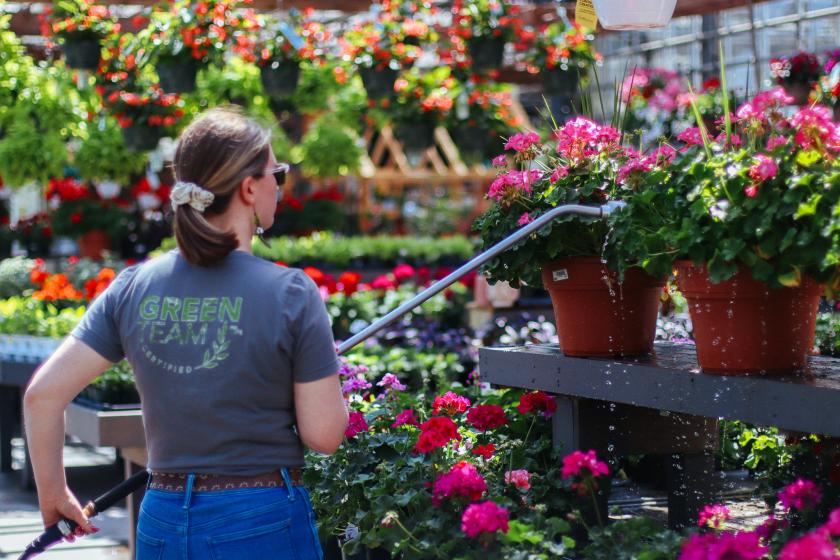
<point>279,173</point>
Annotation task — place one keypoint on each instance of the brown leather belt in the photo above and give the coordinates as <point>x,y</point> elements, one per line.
<point>176,482</point>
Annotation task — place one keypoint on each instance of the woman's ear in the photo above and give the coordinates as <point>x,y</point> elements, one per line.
<point>247,191</point>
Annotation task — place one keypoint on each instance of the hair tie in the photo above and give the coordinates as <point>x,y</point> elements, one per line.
<point>192,194</point>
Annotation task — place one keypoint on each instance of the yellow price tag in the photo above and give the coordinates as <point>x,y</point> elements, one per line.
<point>585,14</point>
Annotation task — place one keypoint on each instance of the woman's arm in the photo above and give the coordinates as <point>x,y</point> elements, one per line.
<point>321,414</point>
<point>69,370</point>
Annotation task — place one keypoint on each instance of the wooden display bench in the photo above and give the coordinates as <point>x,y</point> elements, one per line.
<point>662,404</point>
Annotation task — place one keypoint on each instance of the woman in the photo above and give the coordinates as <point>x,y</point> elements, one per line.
<point>234,360</point>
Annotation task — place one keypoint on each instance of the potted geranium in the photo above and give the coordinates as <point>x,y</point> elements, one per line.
<point>378,56</point>
<point>81,25</point>
<point>35,235</point>
<point>597,314</point>
<point>748,222</point>
<point>562,55</point>
<point>422,102</point>
<point>486,26</point>
<point>187,35</point>
<point>79,212</point>
<point>482,115</point>
<point>797,74</point>
<point>104,160</point>
<point>652,98</point>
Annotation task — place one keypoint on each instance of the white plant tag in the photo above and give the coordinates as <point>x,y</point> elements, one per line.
<point>559,275</point>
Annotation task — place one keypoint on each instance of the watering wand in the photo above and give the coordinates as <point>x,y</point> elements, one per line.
<point>57,532</point>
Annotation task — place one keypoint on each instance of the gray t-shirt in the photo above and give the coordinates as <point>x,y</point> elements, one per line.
<point>215,351</point>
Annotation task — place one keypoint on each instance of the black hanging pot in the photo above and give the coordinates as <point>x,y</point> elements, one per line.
<point>141,137</point>
<point>486,52</point>
<point>557,81</point>
<point>378,83</point>
<point>280,77</point>
<point>82,53</point>
<point>472,141</point>
<point>177,76</point>
<point>416,138</point>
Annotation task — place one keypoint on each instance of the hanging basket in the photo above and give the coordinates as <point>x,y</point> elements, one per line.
<point>82,54</point>
<point>280,77</point>
<point>378,83</point>
<point>557,81</point>
<point>799,92</point>
<point>486,53</point>
<point>141,137</point>
<point>415,138</point>
<point>177,76</point>
<point>473,141</point>
<point>742,326</point>
<point>634,14</point>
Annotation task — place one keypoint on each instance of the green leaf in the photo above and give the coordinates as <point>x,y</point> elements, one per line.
<point>809,207</point>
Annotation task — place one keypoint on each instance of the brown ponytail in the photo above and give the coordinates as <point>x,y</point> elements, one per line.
<point>217,152</point>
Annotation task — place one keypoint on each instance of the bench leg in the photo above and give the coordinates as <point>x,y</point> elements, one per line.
<point>691,485</point>
<point>565,424</point>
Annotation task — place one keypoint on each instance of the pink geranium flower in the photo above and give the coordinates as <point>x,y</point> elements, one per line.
<point>500,161</point>
<point>583,464</point>
<point>691,136</point>
<point>520,478</point>
<point>775,141</point>
<point>713,516</point>
<point>833,523</point>
<point>524,219</point>
<point>813,546</point>
<point>581,138</point>
<point>522,141</point>
<point>801,494</point>
<point>723,546</point>
<point>391,383</point>
<point>355,425</point>
<point>763,169</point>
<point>406,417</point>
<point>353,384</point>
<point>484,518</point>
<point>633,168</point>
<point>559,173</point>
<point>814,127</point>
<point>462,481</point>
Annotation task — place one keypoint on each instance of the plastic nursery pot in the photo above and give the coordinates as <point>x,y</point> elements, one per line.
<point>93,244</point>
<point>141,137</point>
<point>280,77</point>
<point>595,315</point>
<point>415,138</point>
<point>378,82</point>
<point>473,141</point>
<point>557,81</point>
<point>177,76</point>
<point>634,14</point>
<point>486,52</point>
<point>742,326</point>
<point>82,53</point>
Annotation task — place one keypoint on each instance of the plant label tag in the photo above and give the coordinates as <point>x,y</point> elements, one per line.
<point>292,36</point>
<point>585,14</point>
<point>559,275</point>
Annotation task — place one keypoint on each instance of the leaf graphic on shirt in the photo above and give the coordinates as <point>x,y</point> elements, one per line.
<point>220,349</point>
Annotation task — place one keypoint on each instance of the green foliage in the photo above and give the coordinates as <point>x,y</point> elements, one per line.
<point>422,372</point>
<point>328,150</point>
<point>14,276</point>
<point>316,87</point>
<point>376,483</point>
<point>115,386</point>
<point>103,155</point>
<point>341,252</point>
<point>638,538</point>
<point>20,315</point>
<point>828,334</point>
<point>28,154</point>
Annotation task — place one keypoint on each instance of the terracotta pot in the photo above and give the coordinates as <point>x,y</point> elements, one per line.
<point>600,318</point>
<point>741,326</point>
<point>93,243</point>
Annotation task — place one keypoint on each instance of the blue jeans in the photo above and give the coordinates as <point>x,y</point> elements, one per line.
<point>247,524</point>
